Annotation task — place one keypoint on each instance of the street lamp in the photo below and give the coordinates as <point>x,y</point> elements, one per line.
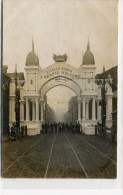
<point>103,100</point>
<point>17,103</point>
<point>103,82</point>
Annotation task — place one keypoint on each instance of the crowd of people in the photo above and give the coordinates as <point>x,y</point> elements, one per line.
<point>102,131</point>
<point>61,127</point>
<point>16,132</point>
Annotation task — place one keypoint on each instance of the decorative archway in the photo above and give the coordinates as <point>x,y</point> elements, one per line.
<point>63,81</point>
<point>80,81</point>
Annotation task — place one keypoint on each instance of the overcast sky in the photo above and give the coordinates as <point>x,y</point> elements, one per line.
<point>60,26</point>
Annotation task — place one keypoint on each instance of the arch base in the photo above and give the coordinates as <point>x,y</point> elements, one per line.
<point>33,127</point>
<point>88,126</point>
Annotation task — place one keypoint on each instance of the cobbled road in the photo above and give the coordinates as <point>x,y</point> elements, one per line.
<point>59,155</point>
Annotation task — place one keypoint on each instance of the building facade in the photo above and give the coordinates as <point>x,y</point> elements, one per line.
<point>5,101</point>
<point>9,98</point>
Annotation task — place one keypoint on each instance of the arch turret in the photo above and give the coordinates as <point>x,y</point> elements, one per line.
<point>32,59</point>
<point>88,57</point>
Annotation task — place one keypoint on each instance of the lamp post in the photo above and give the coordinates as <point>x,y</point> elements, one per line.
<point>103,101</point>
<point>109,81</point>
<point>17,108</point>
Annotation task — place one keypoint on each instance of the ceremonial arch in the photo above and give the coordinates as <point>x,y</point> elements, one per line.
<point>82,81</point>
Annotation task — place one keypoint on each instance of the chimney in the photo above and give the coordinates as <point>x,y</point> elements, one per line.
<point>5,67</point>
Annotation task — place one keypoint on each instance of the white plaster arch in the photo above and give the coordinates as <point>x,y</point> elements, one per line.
<point>63,81</point>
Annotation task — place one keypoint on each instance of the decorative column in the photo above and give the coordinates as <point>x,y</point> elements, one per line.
<point>42,110</point>
<point>37,110</point>
<point>98,110</point>
<point>87,109</point>
<point>27,109</point>
<point>12,109</point>
<point>79,111</point>
<point>33,111</point>
<point>12,101</point>
<point>22,110</point>
<point>83,111</point>
<point>109,109</point>
<point>93,109</point>
<point>79,108</point>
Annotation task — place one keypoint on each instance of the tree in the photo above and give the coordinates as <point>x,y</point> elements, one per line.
<point>71,114</point>
<point>49,114</point>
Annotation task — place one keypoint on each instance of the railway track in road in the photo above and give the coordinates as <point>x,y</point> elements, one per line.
<point>74,152</point>
<point>59,147</point>
<point>94,162</point>
<point>47,167</point>
<point>21,155</point>
<point>99,151</point>
<point>81,165</point>
<point>49,158</point>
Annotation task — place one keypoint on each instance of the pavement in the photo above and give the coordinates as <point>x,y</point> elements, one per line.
<point>59,155</point>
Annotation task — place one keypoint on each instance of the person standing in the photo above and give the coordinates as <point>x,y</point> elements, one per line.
<point>55,127</point>
<point>96,128</point>
<point>60,127</point>
<point>113,132</point>
<point>13,133</point>
<point>22,131</point>
<point>52,127</point>
<point>25,130</point>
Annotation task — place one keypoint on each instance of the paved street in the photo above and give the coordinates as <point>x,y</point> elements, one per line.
<point>59,155</point>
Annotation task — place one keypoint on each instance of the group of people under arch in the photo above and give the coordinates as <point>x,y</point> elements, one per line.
<point>61,127</point>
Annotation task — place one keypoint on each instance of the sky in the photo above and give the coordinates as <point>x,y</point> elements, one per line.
<point>60,26</point>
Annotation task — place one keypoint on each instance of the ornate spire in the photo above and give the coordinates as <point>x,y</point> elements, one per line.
<point>32,44</point>
<point>88,45</point>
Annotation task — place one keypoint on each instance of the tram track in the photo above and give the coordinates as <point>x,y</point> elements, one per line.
<point>99,151</point>
<point>48,170</point>
<point>81,165</point>
<point>47,167</point>
<point>26,151</point>
<point>21,155</point>
<point>96,164</point>
<point>60,155</point>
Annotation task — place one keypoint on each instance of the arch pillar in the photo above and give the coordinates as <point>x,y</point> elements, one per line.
<point>79,108</point>
<point>33,110</point>
<point>109,109</point>
<point>22,110</point>
<point>98,110</point>
<point>11,110</point>
<point>87,109</point>
<point>42,109</point>
<point>27,109</point>
<point>93,109</point>
<point>83,108</point>
<point>37,109</point>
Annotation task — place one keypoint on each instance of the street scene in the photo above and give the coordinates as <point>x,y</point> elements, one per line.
<point>59,89</point>
<point>60,155</point>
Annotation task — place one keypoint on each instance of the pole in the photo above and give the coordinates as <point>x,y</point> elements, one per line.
<point>17,108</point>
<point>104,105</point>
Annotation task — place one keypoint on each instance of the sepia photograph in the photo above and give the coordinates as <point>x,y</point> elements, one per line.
<point>59,89</point>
